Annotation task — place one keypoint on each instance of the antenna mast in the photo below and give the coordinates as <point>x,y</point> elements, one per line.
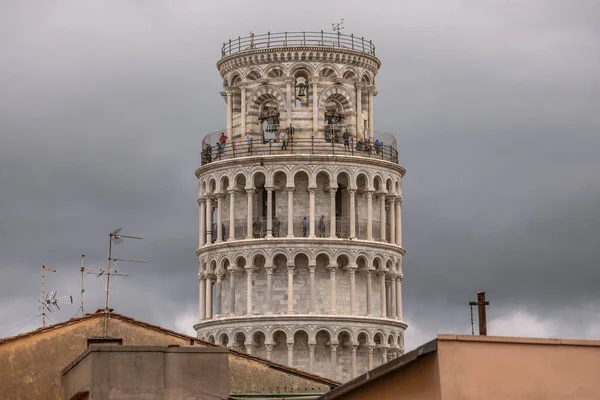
<point>117,237</point>
<point>43,299</point>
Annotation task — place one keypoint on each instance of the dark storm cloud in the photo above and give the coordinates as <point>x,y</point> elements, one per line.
<point>494,104</point>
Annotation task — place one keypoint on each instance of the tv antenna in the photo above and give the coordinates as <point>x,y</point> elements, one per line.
<point>116,237</point>
<point>49,302</point>
<point>337,27</point>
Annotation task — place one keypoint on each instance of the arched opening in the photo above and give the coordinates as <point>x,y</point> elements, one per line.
<point>334,118</point>
<point>259,206</point>
<point>253,75</point>
<point>275,73</point>
<point>362,205</point>
<point>323,364</point>
<point>301,283</point>
<point>342,282</point>
<point>323,284</point>
<point>327,73</point>
<point>301,350</point>
<point>361,278</point>
<point>378,205</point>
<point>301,196</point>
<point>342,206</point>
<point>280,349</point>
<point>362,353</point>
<point>239,306</point>
<point>259,274</point>
<point>224,340</point>
<point>280,211</point>
<point>280,284</point>
<point>269,120</point>
<point>349,75</point>
<point>241,207</point>
<point>258,344</point>
<point>239,342</point>
<point>380,348</point>
<point>323,205</point>
<point>211,339</point>
<point>344,368</point>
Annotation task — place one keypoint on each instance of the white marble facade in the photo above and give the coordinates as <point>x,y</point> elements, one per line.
<point>300,247</point>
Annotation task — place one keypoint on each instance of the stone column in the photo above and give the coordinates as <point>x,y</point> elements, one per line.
<point>219,218</point>
<point>352,192</point>
<point>369,294</point>
<point>202,299</point>
<point>269,348</point>
<point>352,270</point>
<point>399,297</point>
<point>231,215</point>
<point>311,357</point>
<point>243,109</point>
<point>315,109</point>
<point>250,193</point>
<point>218,296</point>
<point>202,238</point>
<point>334,361</point>
<point>288,108</point>
<point>249,349</point>
<point>229,114</point>
<point>383,294</point>
<point>382,216</point>
<point>370,358</point>
<point>269,212</point>
<point>393,220</point>
<point>354,360</point>
<point>232,292</point>
<point>208,297</point>
<point>371,124</point>
<point>290,289</point>
<point>209,224</point>
<point>388,298</point>
<point>370,215</point>
<point>313,300</point>
<point>290,361</point>
<point>359,123</point>
<point>311,207</point>
<point>399,222</point>
<point>269,271</point>
<point>384,354</point>
<point>332,192</point>
<point>332,269</point>
<point>290,212</point>
<point>249,272</point>
<point>393,301</point>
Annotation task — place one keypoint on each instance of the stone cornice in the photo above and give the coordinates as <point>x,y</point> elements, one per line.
<point>302,158</point>
<point>298,53</point>
<point>297,242</point>
<point>330,319</point>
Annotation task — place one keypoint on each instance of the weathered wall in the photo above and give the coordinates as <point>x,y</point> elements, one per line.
<point>149,373</point>
<point>30,367</point>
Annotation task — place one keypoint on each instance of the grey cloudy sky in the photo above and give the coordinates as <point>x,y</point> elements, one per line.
<point>495,104</point>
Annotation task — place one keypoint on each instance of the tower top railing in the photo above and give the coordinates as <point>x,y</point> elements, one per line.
<point>272,40</point>
<point>381,146</point>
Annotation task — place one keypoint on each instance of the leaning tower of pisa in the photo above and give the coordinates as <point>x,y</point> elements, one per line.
<point>300,229</point>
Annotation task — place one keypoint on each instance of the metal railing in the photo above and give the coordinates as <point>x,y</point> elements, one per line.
<point>271,40</point>
<point>255,145</point>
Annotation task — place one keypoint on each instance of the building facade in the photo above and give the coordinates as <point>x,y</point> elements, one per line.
<point>300,229</point>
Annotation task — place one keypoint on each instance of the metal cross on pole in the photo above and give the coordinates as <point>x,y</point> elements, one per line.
<point>480,303</point>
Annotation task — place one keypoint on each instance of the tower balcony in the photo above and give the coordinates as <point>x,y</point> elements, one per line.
<point>381,146</point>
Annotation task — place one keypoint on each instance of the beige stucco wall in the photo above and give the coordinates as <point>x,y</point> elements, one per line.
<point>507,368</point>
<point>31,367</point>
<point>419,382</point>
